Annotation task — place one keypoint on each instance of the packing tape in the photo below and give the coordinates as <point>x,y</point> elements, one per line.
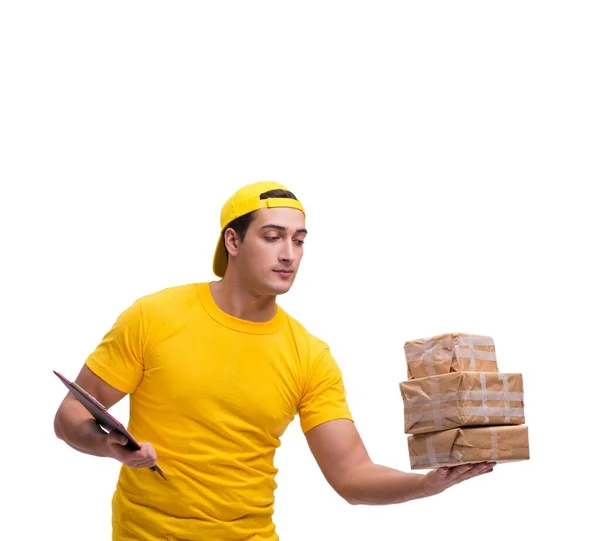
<point>472,411</point>
<point>483,381</point>
<point>432,457</point>
<point>474,341</point>
<point>436,410</point>
<point>494,438</point>
<point>473,355</point>
<point>459,353</point>
<point>504,379</point>
<point>434,460</point>
<point>461,396</point>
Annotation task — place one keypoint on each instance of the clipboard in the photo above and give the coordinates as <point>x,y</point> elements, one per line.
<point>103,417</point>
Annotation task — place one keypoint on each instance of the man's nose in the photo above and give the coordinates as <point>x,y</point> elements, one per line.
<point>287,252</point>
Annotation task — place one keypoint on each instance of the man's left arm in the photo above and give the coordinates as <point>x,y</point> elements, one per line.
<point>342,457</point>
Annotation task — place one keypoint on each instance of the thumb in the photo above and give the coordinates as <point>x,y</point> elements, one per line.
<point>116,437</point>
<point>444,471</point>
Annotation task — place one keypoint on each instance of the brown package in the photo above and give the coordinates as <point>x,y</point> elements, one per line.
<point>447,353</point>
<point>460,399</point>
<point>467,445</point>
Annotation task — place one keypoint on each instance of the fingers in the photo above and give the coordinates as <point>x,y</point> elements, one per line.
<point>442,478</point>
<point>141,462</point>
<point>145,457</point>
<point>457,471</point>
<point>468,471</point>
<point>149,454</point>
<point>116,438</point>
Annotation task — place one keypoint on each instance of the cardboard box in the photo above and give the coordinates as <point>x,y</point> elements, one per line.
<point>447,353</point>
<point>468,445</point>
<point>458,399</point>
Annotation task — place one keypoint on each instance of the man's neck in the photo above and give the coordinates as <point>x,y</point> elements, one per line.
<point>235,300</point>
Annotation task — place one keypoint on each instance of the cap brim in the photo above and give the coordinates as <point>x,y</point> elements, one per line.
<point>220,258</point>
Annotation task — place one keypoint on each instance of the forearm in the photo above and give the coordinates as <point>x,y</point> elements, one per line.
<point>372,484</point>
<point>80,431</point>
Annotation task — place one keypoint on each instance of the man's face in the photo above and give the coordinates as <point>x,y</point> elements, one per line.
<point>269,257</point>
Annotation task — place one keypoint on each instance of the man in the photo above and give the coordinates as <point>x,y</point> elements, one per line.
<point>216,372</point>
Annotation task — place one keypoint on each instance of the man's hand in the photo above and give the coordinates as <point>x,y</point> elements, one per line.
<point>343,459</point>
<point>142,458</point>
<point>437,481</point>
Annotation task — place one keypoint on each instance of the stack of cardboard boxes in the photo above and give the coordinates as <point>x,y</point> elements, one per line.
<point>458,407</point>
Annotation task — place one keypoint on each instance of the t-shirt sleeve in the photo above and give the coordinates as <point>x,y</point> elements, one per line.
<point>324,397</point>
<point>119,357</point>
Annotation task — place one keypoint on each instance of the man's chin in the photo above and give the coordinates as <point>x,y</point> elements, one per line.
<point>280,288</point>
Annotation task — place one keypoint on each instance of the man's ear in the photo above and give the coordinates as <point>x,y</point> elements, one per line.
<point>232,241</point>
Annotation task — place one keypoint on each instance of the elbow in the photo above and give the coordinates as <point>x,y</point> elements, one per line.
<point>57,428</point>
<point>348,494</point>
<point>350,499</point>
<point>349,485</point>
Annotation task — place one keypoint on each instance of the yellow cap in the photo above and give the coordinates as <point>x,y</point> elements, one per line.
<point>247,199</point>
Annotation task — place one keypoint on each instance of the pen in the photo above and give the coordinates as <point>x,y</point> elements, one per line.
<point>159,471</point>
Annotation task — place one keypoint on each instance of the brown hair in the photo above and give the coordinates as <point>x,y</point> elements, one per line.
<point>240,225</point>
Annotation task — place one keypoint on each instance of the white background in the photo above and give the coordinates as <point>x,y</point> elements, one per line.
<point>446,153</point>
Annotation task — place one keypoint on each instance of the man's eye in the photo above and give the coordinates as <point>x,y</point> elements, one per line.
<point>299,242</point>
<point>271,239</point>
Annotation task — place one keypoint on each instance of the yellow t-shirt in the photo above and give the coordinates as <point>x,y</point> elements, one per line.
<point>213,394</point>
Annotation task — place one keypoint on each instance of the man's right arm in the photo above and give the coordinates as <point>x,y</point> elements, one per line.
<point>77,428</point>
<point>75,425</point>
